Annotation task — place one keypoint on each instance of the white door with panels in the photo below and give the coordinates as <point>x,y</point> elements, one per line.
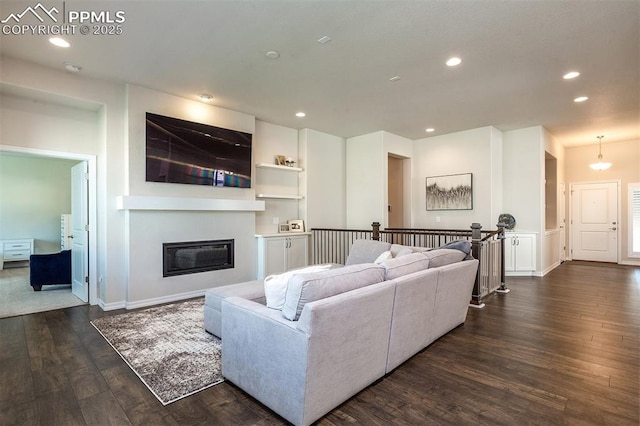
<point>594,221</point>
<point>80,231</point>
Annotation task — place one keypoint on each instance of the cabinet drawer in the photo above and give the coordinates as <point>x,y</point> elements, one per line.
<point>10,255</point>
<point>16,246</point>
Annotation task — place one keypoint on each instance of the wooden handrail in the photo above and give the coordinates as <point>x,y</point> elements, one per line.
<point>332,245</point>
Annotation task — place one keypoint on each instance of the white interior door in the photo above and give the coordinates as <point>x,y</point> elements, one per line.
<point>594,222</point>
<point>79,228</point>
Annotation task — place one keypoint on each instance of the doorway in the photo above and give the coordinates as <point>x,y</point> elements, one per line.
<point>396,197</point>
<point>594,221</point>
<point>87,199</point>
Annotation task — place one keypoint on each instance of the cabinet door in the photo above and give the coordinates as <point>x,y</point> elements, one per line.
<point>509,252</point>
<point>525,253</point>
<point>297,252</point>
<point>275,253</point>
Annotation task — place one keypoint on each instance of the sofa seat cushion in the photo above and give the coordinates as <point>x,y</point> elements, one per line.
<point>366,251</point>
<point>252,290</point>
<point>305,288</point>
<point>441,257</point>
<point>405,265</point>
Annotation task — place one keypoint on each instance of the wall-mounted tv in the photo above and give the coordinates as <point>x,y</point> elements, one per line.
<point>180,151</point>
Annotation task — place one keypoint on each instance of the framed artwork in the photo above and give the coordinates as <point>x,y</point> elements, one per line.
<point>296,225</point>
<point>450,192</point>
<point>280,160</point>
<point>283,227</point>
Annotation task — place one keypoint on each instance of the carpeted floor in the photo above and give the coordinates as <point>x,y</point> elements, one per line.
<point>18,298</point>
<point>167,347</point>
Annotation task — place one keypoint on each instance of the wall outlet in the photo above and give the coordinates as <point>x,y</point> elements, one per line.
<point>438,219</point>
<point>276,220</point>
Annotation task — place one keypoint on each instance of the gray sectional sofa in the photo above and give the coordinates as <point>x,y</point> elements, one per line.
<point>340,329</point>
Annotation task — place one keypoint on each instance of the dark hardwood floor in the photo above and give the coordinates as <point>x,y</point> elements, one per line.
<point>563,349</point>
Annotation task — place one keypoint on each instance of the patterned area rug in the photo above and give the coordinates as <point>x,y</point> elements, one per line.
<point>167,347</point>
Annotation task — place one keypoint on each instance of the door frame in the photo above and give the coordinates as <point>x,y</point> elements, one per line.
<point>93,215</point>
<point>618,183</point>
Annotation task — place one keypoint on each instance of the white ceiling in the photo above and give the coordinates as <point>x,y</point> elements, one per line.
<point>514,56</point>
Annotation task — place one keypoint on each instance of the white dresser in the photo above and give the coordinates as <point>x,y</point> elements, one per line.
<point>14,250</point>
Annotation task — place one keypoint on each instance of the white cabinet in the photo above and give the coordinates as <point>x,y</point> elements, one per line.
<point>519,253</point>
<point>282,252</point>
<point>15,250</point>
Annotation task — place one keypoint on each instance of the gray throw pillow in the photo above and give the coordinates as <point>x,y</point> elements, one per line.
<point>441,257</point>
<point>305,288</point>
<point>366,251</point>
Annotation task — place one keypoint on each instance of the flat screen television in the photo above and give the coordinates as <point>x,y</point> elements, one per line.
<point>181,151</point>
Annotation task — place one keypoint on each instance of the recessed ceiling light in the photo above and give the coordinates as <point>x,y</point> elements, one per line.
<point>395,78</point>
<point>272,54</point>
<point>324,40</point>
<point>59,42</point>
<point>452,62</point>
<point>581,99</point>
<point>429,129</point>
<point>71,67</point>
<point>300,114</point>
<point>570,75</point>
<point>205,97</point>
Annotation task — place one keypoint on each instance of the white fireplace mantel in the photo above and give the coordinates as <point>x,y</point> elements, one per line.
<point>142,202</point>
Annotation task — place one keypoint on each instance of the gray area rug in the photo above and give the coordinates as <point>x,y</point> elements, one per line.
<point>167,347</point>
<point>18,298</point>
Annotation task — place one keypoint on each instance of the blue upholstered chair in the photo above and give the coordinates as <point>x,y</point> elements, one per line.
<point>47,269</point>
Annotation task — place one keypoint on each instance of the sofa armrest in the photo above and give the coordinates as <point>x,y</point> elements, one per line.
<point>264,356</point>
<point>303,369</point>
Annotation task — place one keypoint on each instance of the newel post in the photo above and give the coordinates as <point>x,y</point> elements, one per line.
<point>476,241</point>
<point>503,285</point>
<point>376,231</point>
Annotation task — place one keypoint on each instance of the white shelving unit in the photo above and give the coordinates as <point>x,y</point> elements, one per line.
<point>280,197</point>
<point>277,167</point>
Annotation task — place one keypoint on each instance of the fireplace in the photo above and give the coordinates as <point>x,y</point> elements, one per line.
<point>190,257</point>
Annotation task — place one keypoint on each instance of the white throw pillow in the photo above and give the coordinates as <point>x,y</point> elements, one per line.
<point>385,255</point>
<point>275,286</point>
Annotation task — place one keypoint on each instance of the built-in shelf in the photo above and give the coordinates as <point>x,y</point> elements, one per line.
<point>141,202</point>
<point>281,197</point>
<point>275,166</point>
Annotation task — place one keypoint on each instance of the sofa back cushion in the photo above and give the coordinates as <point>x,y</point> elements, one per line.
<point>441,257</point>
<point>404,265</point>
<point>305,288</point>
<point>366,251</point>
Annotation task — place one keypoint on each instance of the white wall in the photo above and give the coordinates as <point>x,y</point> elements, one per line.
<point>147,230</point>
<point>367,176</point>
<point>366,167</point>
<point>523,168</point>
<point>141,101</point>
<point>323,158</point>
<point>472,151</point>
<point>34,192</point>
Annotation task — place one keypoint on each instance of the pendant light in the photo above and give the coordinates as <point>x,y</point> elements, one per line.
<point>600,165</point>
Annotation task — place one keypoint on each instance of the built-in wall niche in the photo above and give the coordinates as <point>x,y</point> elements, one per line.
<point>550,191</point>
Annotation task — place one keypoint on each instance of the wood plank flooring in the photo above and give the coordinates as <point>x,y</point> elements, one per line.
<point>563,349</point>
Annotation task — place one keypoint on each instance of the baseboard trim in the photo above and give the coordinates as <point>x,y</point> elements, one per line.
<point>164,299</point>
<point>111,306</point>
